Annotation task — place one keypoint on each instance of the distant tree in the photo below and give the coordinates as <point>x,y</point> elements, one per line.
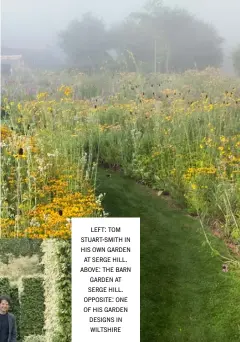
<point>158,38</point>
<point>236,59</point>
<point>85,42</point>
<point>168,39</point>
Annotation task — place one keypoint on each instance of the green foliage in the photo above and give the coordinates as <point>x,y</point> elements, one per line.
<point>32,306</point>
<point>16,308</point>
<point>57,285</point>
<point>27,296</point>
<point>64,288</point>
<point>35,338</point>
<point>236,59</point>
<point>18,247</point>
<point>51,273</point>
<point>4,286</point>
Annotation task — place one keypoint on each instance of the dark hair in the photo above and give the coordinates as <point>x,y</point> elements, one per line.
<point>5,298</point>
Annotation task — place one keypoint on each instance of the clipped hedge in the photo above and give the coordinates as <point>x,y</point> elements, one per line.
<point>4,286</point>
<point>42,305</point>
<point>32,306</point>
<point>51,273</point>
<point>19,247</point>
<point>57,285</point>
<point>35,338</point>
<point>15,308</point>
<point>65,290</point>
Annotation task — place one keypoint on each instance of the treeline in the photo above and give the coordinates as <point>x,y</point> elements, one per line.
<point>157,38</point>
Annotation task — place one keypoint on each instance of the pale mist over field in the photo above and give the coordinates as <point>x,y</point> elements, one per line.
<point>35,24</point>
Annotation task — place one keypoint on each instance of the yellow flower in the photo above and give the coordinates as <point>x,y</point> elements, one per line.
<point>41,96</point>
<point>5,133</point>
<point>223,139</point>
<point>18,156</point>
<point>67,91</point>
<point>168,118</point>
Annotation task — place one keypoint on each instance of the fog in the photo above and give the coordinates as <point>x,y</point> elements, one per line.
<point>32,23</point>
<point>224,15</point>
<point>35,24</point>
<point>29,23</point>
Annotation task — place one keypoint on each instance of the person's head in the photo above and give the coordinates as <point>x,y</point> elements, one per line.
<point>4,304</point>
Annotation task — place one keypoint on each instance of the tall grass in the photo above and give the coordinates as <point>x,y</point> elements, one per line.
<point>178,133</point>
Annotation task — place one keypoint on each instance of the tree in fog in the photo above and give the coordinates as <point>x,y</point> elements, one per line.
<point>158,38</point>
<point>236,59</point>
<point>84,42</point>
<point>166,39</point>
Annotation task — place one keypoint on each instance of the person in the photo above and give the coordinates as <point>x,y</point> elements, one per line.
<point>8,329</point>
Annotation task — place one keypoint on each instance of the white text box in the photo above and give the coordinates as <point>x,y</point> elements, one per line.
<point>105,279</point>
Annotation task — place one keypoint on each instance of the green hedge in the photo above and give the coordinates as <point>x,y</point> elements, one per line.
<point>27,304</point>
<point>4,286</point>
<point>32,306</point>
<point>43,305</point>
<point>15,308</point>
<point>64,285</point>
<point>19,247</point>
<point>57,285</point>
<point>35,338</point>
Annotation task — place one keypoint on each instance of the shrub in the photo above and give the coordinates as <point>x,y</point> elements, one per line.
<point>35,338</point>
<point>4,286</point>
<point>57,286</point>
<point>15,308</point>
<point>65,289</point>
<point>32,306</point>
<point>18,247</point>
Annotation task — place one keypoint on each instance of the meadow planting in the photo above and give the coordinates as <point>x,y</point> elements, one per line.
<point>179,134</point>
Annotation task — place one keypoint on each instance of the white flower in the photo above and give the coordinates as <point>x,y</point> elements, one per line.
<point>34,222</point>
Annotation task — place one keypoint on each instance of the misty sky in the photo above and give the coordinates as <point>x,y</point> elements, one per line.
<point>34,23</point>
